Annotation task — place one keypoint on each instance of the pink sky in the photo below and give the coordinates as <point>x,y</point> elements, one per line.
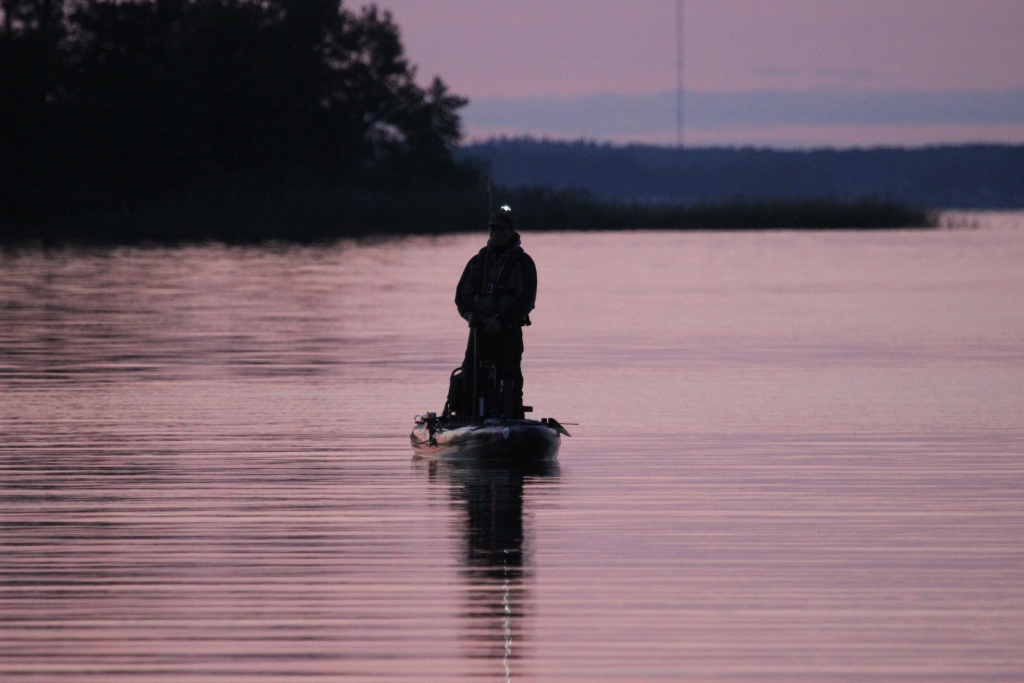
<point>563,49</point>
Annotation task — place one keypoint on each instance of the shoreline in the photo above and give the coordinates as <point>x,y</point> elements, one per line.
<point>315,215</point>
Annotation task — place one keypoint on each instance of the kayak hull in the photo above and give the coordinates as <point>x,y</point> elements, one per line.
<point>496,439</point>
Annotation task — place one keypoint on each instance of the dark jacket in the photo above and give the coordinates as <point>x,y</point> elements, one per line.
<point>499,284</point>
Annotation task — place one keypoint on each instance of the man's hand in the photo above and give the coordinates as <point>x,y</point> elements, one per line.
<point>492,326</point>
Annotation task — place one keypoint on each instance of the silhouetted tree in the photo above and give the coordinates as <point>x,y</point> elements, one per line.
<point>32,72</point>
<point>106,103</point>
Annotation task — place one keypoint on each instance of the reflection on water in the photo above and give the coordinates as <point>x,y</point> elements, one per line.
<point>490,500</point>
<point>799,458</point>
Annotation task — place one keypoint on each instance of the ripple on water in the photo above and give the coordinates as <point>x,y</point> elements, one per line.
<point>798,459</point>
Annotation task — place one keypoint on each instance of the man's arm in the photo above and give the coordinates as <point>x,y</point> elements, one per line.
<point>464,291</point>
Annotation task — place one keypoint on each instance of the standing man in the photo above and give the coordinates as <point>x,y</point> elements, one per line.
<point>495,295</point>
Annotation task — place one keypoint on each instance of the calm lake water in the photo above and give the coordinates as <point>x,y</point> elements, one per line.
<point>800,457</point>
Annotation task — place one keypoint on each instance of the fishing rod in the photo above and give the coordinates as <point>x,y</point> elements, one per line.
<point>476,361</point>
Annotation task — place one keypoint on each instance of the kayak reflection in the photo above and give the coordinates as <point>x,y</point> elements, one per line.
<point>493,558</point>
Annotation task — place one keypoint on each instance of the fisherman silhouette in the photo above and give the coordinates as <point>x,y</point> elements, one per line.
<point>495,295</point>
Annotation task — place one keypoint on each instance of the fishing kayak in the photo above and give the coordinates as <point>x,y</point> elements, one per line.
<point>502,439</point>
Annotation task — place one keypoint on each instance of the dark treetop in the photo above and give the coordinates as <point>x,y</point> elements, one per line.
<point>106,104</point>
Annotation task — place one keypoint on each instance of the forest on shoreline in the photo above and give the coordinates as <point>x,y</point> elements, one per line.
<point>308,215</point>
<point>243,121</point>
<point>966,176</point>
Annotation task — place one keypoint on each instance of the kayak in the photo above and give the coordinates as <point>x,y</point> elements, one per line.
<point>502,439</point>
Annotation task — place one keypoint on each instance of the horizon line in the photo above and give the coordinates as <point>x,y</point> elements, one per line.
<point>669,146</point>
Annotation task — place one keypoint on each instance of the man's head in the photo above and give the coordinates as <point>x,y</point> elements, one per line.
<point>501,227</point>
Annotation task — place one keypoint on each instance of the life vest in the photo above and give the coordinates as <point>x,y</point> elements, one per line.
<point>493,291</point>
<point>504,264</point>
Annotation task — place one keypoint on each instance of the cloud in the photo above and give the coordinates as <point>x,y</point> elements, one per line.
<point>846,75</point>
<point>652,116</point>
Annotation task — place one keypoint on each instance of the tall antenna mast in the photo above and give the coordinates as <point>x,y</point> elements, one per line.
<point>679,74</point>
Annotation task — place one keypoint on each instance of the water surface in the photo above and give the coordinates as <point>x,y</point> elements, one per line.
<point>799,457</point>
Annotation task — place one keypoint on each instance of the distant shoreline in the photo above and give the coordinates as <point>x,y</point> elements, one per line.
<point>311,215</point>
<point>974,176</point>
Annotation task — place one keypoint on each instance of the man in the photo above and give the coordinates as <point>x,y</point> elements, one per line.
<point>495,295</point>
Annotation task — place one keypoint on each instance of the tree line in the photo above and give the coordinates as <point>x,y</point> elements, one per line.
<point>106,105</point>
<point>942,176</point>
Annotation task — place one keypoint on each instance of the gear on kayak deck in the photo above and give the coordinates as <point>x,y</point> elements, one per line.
<point>482,419</point>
